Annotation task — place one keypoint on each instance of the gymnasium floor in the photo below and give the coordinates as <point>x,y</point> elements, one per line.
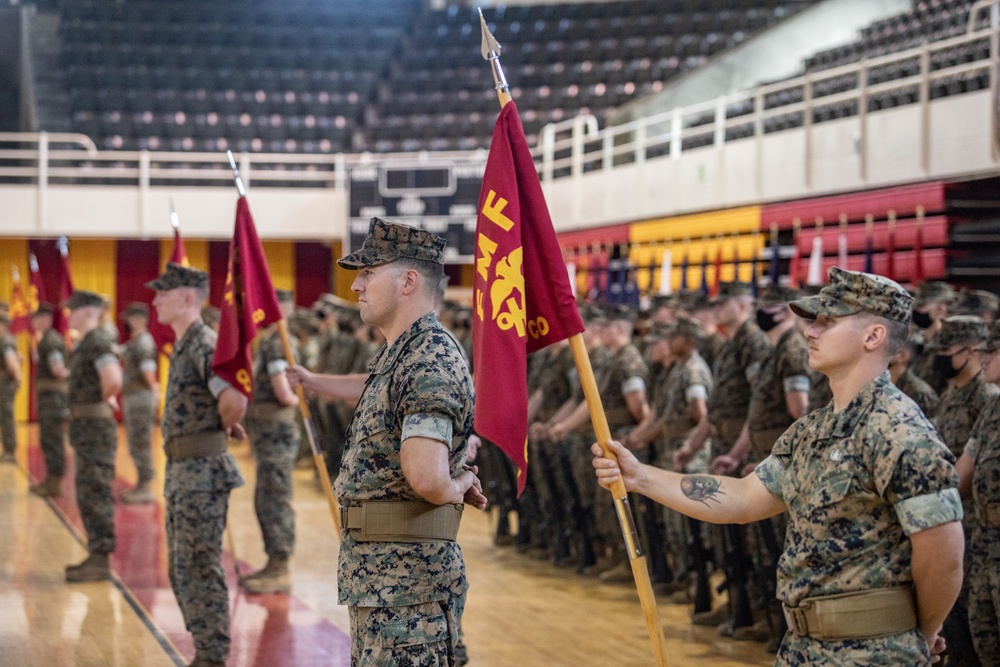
<point>520,611</point>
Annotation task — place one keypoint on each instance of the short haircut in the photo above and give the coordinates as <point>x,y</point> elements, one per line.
<point>201,293</point>
<point>897,333</point>
<point>430,272</point>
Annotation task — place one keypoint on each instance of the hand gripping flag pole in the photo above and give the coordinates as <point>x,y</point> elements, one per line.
<point>491,52</point>
<point>307,420</point>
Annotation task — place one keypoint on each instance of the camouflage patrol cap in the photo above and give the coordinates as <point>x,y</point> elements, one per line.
<point>389,241</point>
<point>619,312</point>
<point>731,290</point>
<point>44,309</point>
<point>992,340</point>
<point>977,302</point>
<point>284,295</point>
<point>662,301</point>
<point>211,315</point>
<point>83,299</point>
<point>694,301</point>
<point>852,292</point>
<point>685,326</point>
<point>659,331</point>
<point>135,309</point>
<point>959,330</point>
<point>176,275</point>
<point>591,314</point>
<point>932,291</point>
<point>775,294</point>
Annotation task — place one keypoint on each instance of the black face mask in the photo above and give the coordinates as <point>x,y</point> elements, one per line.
<point>765,320</point>
<point>922,320</point>
<point>944,367</point>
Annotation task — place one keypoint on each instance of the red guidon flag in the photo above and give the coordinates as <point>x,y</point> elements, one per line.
<point>248,303</point>
<point>522,299</point>
<point>21,305</point>
<point>162,334</point>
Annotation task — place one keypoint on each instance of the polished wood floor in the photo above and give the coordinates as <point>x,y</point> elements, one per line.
<point>520,611</point>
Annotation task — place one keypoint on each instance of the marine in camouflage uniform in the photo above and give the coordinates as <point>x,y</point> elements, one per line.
<point>10,380</point>
<point>51,405</point>
<point>908,381</point>
<point>200,473</point>
<point>273,430</point>
<point>405,595</point>
<point>140,394</point>
<point>870,491</point>
<point>931,307</point>
<point>979,474</point>
<point>94,375</point>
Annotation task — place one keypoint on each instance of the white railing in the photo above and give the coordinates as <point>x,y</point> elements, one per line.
<point>574,146</point>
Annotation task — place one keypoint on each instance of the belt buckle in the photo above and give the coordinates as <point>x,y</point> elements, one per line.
<point>343,518</point>
<point>796,617</point>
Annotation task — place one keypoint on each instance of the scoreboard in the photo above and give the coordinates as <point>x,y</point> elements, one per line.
<point>440,196</point>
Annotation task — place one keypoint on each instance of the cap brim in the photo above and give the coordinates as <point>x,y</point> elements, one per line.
<point>362,258</point>
<point>812,307</point>
<point>157,284</point>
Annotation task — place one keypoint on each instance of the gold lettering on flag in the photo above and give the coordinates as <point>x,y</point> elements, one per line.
<point>243,377</point>
<point>494,212</point>
<point>506,280</point>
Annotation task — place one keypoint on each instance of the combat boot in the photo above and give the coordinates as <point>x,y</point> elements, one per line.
<point>50,487</point>
<point>138,495</point>
<point>94,568</point>
<point>273,578</point>
<point>712,618</point>
<point>758,632</point>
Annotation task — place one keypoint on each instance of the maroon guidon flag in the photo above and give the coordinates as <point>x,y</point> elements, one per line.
<point>248,303</point>
<point>522,299</point>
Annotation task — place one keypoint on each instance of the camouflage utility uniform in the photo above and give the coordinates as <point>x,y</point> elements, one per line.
<point>274,435</point>
<point>94,440</point>
<point>406,598</point>
<point>139,402</point>
<point>8,391</point>
<point>786,369</point>
<point>196,493</point>
<point>736,368</point>
<point>50,402</point>
<point>856,484</point>
<point>922,393</point>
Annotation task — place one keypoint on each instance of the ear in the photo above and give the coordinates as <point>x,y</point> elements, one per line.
<point>875,336</point>
<point>411,280</point>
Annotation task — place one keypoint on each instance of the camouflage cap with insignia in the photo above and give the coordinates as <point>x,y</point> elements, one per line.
<point>686,326</point>
<point>83,299</point>
<point>732,290</point>
<point>959,330</point>
<point>136,309</point>
<point>852,292</point>
<point>992,340</point>
<point>932,291</point>
<point>977,302</point>
<point>44,309</point>
<point>176,275</point>
<point>389,241</point>
<point>775,294</point>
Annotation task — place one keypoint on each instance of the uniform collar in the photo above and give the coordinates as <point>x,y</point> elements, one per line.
<point>386,357</point>
<point>842,424</point>
<point>189,334</point>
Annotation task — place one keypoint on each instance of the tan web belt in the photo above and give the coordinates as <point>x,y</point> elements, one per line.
<point>51,384</point>
<point>271,412</point>
<point>91,411</point>
<point>862,615</point>
<point>401,521</point>
<point>195,445</point>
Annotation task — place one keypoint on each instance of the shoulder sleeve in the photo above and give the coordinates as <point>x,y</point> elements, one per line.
<point>430,393</point>
<point>771,470</point>
<point>795,361</point>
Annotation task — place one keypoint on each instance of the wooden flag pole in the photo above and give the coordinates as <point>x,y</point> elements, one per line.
<point>307,421</point>
<point>491,52</point>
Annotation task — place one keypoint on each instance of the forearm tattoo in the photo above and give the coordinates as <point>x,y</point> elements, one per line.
<point>702,488</point>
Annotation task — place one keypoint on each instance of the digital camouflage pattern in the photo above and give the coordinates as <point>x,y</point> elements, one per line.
<point>139,402</point>
<point>785,369</point>
<point>856,484</point>
<point>983,548</point>
<point>959,408</point>
<point>683,380</point>
<point>735,370</point>
<point>556,381</point>
<point>275,444</point>
<point>624,365</point>
<point>85,299</point>
<point>8,392</point>
<point>932,291</point>
<point>922,366</point>
<point>922,393</point>
<point>51,405</point>
<point>710,346</point>
<point>196,495</point>
<point>420,635</point>
<point>388,241</point>
<point>959,330</point>
<point>418,387</point>
<point>851,292</point>
<point>176,275</point>
<point>94,441</point>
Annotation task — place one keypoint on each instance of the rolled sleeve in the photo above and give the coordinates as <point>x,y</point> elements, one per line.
<point>771,473</point>
<point>633,384</point>
<point>104,360</point>
<point>276,367</point>
<point>56,359</point>
<point>933,509</point>
<point>217,385</point>
<point>796,383</point>
<point>696,392</point>
<point>432,426</point>
<point>147,366</point>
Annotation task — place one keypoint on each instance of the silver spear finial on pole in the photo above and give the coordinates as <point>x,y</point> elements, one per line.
<point>175,221</point>
<point>491,52</point>
<point>236,174</point>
